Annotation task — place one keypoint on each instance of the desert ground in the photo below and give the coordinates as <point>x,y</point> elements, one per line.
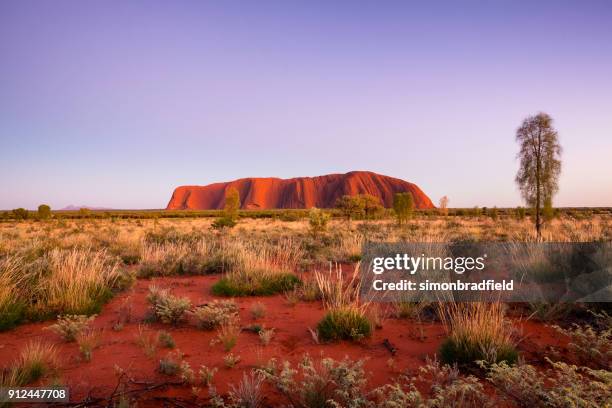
<point>171,312</point>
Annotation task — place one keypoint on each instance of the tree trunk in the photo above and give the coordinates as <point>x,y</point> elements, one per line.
<point>538,188</point>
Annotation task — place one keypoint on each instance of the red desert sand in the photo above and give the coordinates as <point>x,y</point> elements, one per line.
<point>414,341</point>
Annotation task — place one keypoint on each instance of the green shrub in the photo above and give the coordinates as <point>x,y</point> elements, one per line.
<point>466,353</point>
<point>265,286</point>
<point>223,222</point>
<point>344,324</point>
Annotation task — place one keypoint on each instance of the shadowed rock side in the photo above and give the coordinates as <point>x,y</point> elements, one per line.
<point>301,192</point>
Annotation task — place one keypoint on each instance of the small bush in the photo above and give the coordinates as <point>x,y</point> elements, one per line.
<point>214,314</point>
<point>228,334</point>
<point>69,327</point>
<point>231,360</point>
<point>223,222</point>
<point>589,346</point>
<point>186,373</point>
<point>562,385</point>
<point>166,307</point>
<point>446,389</point>
<point>344,324</point>
<point>171,364</point>
<point>328,383</point>
<point>165,339</point>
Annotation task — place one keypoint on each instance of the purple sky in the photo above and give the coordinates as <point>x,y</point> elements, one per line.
<point>114,103</point>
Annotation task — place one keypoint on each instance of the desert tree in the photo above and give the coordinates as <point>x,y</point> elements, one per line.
<point>540,164</point>
<point>232,203</point>
<point>20,213</point>
<point>371,205</point>
<point>44,211</point>
<point>443,205</point>
<point>351,206</point>
<point>317,219</point>
<point>230,210</point>
<point>403,206</point>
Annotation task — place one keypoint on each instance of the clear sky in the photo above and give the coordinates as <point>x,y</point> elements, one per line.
<point>114,103</point>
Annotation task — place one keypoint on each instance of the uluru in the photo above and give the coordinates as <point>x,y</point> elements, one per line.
<point>299,192</point>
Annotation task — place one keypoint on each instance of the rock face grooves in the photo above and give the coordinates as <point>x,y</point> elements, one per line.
<point>300,192</point>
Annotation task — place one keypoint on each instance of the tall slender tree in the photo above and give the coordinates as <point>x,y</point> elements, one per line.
<point>540,164</point>
<point>403,205</point>
<point>232,203</point>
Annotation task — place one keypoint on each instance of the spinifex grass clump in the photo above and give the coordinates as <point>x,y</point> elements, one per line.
<point>35,361</point>
<point>476,331</point>
<point>344,324</point>
<point>88,341</point>
<point>228,334</point>
<point>11,304</point>
<point>184,254</point>
<point>346,317</point>
<point>260,270</point>
<point>256,283</point>
<point>77,281</point>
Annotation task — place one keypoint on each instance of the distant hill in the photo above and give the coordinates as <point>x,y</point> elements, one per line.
<point>78,207</point>
<point>300,192</point>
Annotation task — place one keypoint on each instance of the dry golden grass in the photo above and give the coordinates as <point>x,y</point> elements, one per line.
<point>76,281</point>
<point>36,360</point>
<point>11,282</point>
<point>71,266</point>
<point>476,331</point>
<point>337,292</point>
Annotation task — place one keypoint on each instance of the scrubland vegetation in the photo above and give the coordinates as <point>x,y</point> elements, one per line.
<point>64,271</point>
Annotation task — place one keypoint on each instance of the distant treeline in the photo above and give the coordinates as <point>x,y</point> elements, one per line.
<point>290,214</point>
